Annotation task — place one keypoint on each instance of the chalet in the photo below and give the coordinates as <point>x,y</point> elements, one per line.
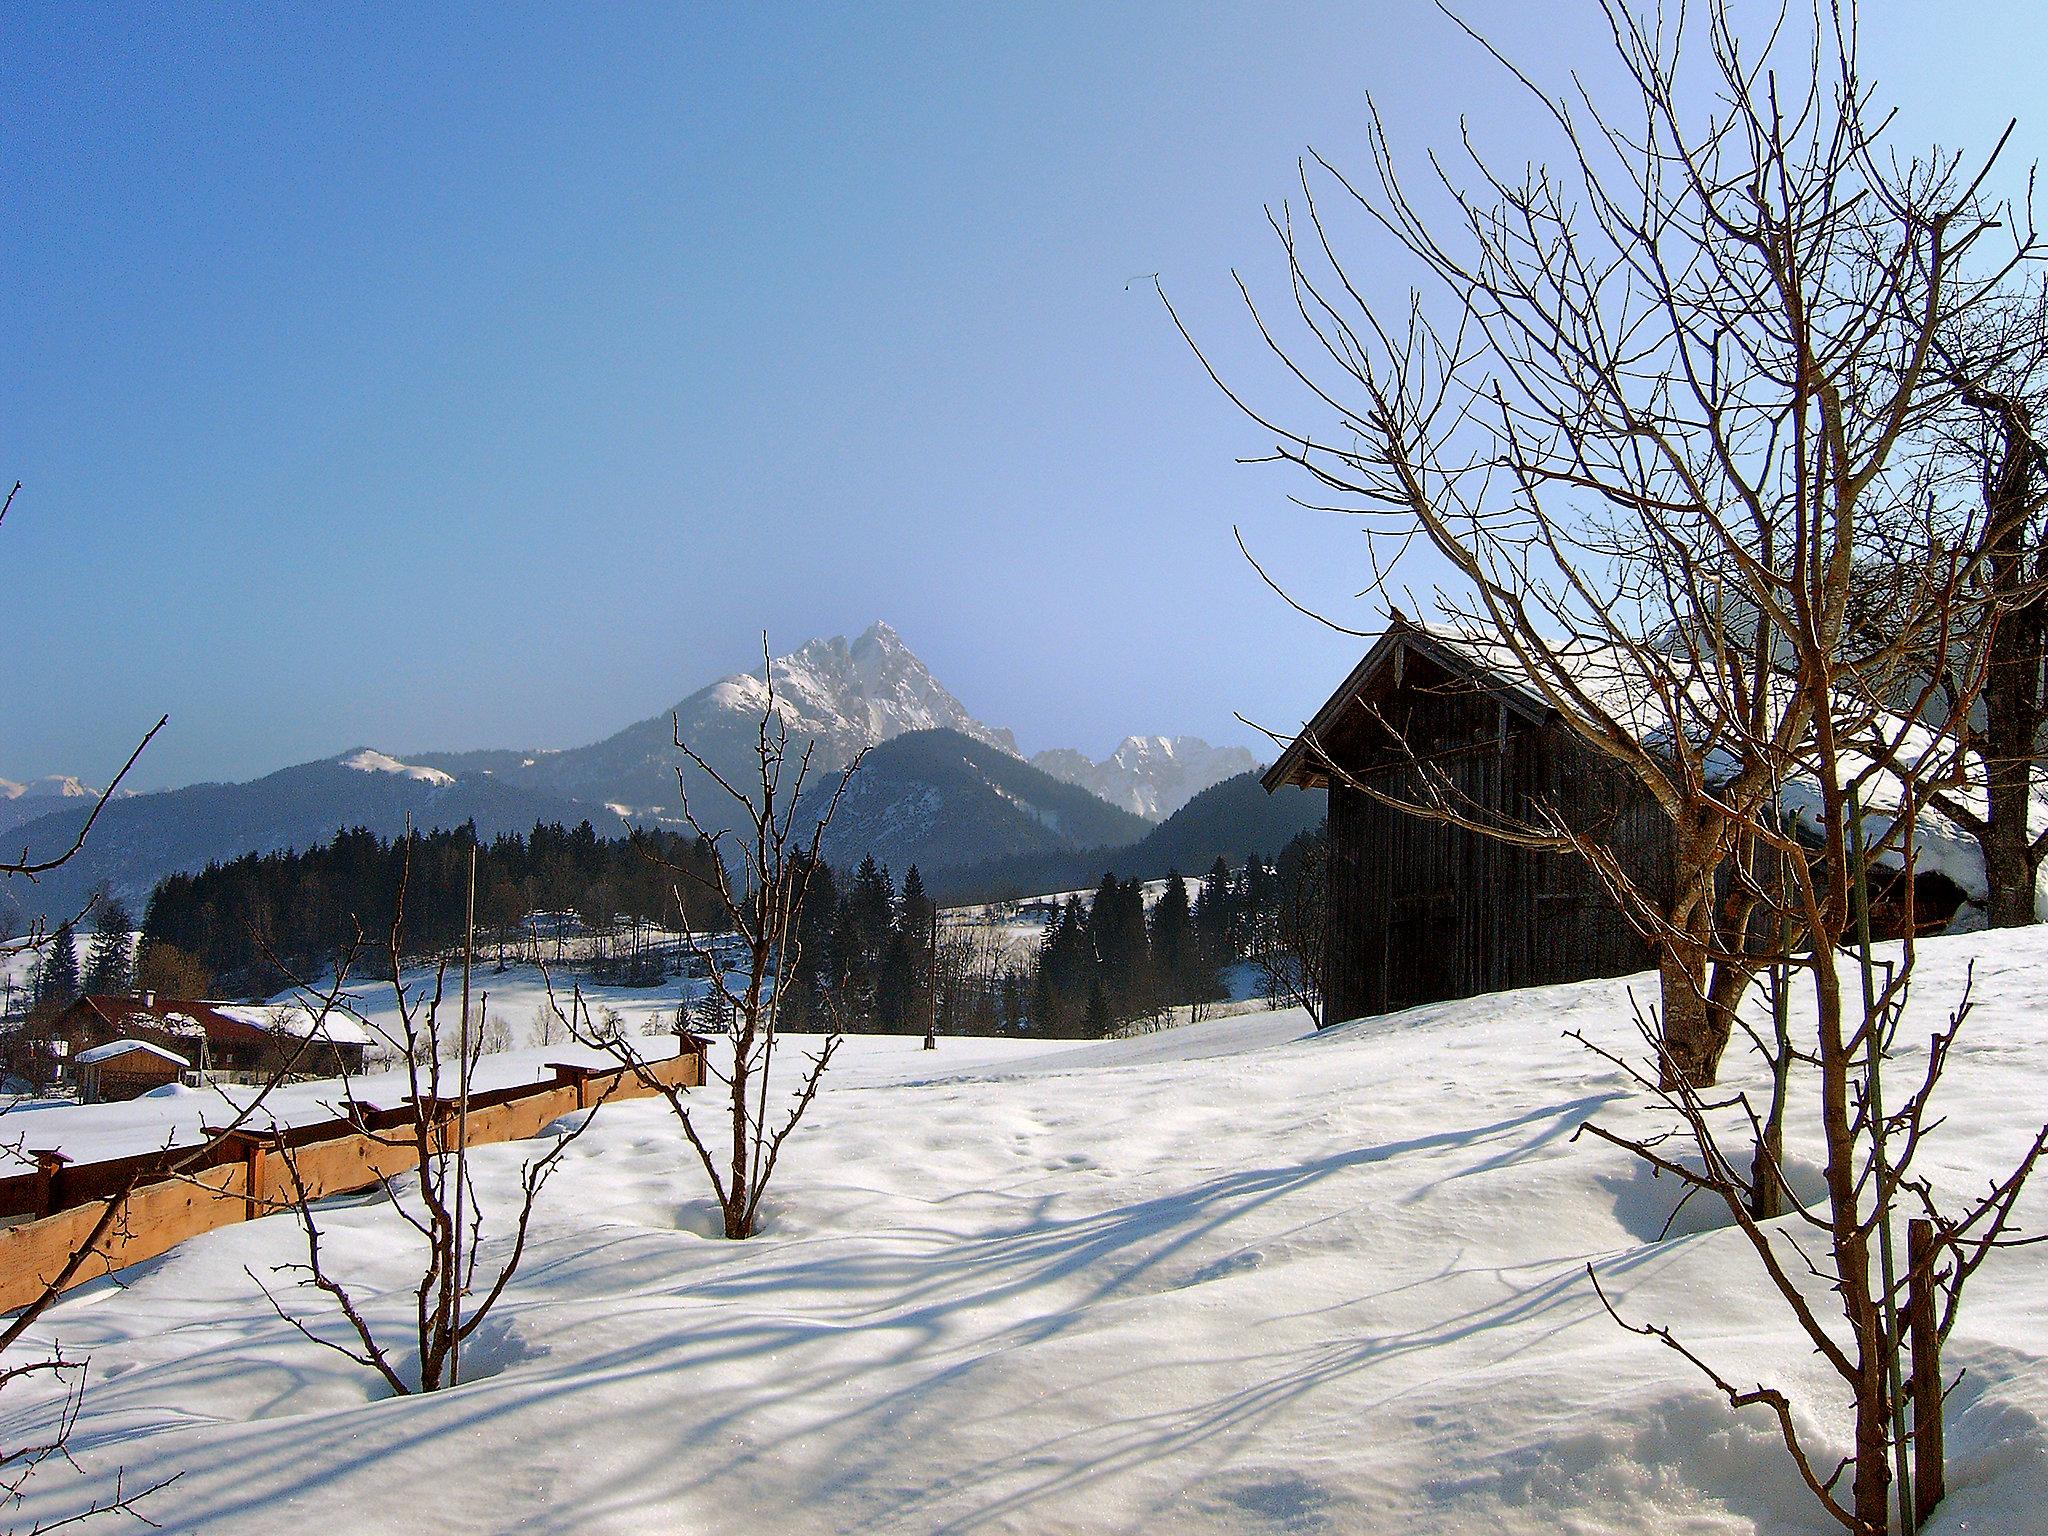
<point>217,1037</point>
<point>125,1069</point>
<point>1420,910</point>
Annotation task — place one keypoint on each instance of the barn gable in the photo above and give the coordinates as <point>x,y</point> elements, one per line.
<point>1420,910</point>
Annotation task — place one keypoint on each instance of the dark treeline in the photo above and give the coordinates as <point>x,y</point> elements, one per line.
<point>1108,960</point>
<point>870,956</point>
<point>250,923</point>
<point>874,958</point>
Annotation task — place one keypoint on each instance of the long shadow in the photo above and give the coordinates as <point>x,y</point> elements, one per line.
<point>916,1296</point>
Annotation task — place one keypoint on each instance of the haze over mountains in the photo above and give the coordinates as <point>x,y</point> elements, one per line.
<point>939,787</point>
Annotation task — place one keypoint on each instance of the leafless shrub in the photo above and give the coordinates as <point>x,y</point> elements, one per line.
<point>760,878</point>
<point>437,1195</point>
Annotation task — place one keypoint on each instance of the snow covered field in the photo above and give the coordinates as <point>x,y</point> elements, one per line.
<point>1233,1277</point>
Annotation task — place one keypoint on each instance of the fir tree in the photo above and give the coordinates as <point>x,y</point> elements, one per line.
<point>1097,1019</point>
<point>1173,937</point>
<point>57,976</point>
<point>110,963</point>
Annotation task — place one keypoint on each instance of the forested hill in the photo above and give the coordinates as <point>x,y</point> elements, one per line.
<point>1227,820</point>
<point>252,924</point>
<point>941,799</point>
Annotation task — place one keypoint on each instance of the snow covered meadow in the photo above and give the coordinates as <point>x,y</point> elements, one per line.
<point>1233,1277</point>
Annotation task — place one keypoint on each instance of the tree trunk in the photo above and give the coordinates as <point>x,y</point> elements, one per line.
<point>2012,709</point>
<point>2012,683</point>
<point>1693,1036</point>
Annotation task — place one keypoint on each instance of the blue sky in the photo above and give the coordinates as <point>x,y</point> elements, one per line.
<point>433,376</point>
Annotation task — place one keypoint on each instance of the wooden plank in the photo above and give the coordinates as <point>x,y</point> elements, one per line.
<point>156,1219</point>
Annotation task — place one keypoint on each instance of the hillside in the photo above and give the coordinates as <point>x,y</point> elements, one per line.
<point>139,839</point>
<point>836,696</point>
<point>1227,820</point>
<point>940,799</point>
<point>21,803</point>
<point>1232,1278</point>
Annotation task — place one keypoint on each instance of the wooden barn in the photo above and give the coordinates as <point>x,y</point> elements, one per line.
<point>1419,910</point>
<point>125,1069</point>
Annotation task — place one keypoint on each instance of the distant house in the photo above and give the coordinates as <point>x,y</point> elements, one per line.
<point>1421,910</point>
<point>125,1069</point>
<point>218,1037</point>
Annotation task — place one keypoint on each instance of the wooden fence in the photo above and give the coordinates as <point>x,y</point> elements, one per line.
<point>242,1175</point>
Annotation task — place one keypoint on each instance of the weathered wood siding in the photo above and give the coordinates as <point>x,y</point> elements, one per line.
<point>1419,910</point>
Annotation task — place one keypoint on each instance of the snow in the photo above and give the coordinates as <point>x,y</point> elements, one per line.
<point>368,761</point>
<point>115,1048</point>
<point>297,1020</point>
<point>1239,1276</point>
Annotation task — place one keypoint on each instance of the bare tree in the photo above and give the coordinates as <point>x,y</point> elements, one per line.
<point>1999,368</point>
<point>1651,409</point>
<point>1645,408</point>
<point>437,1197</point>
<point>760,876</point>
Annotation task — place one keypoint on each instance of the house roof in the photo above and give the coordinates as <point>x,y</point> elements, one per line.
<point>1300,764</point>
<point>1622,685</point>
<point>221,1022</point>
<point>117,1048</point>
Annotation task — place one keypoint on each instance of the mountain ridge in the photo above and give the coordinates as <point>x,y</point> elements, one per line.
<point>959,792</point>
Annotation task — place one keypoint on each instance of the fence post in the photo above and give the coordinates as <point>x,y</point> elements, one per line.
<point>251,1147</point>
<point>49,1164</point>
<point>567,1074</point>
<point>1928,1477</point>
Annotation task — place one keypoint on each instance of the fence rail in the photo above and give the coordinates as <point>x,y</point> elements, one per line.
<point>242,1176</point>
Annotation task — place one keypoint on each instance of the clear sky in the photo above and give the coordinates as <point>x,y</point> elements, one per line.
<point>431,376</point>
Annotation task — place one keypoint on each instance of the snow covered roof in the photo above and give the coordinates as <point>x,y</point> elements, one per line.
<point>195,1018</point>
<point>1633,691</point>
<point>114,1048</point>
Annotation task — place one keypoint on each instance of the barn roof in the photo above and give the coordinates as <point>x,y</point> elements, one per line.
<point>220,1022</point>
<point>117,1048</point>
<point>1300,764</point>
<point>1624,689</point>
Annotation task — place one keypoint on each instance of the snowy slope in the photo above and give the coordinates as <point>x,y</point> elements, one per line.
<point>1237,1277</point>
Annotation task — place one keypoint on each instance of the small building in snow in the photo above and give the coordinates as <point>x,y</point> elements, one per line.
<point>1417,910</point>
<point>1420,910</point>
<point>125,1069</point>
<point>246,1039</point>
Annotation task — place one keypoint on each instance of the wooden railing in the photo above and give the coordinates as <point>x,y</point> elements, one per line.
<point>242,1175</point>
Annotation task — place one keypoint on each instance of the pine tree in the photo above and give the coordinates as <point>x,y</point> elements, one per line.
<point>110,963</point>
<point>57,975</point>
<point>1096,1021</point>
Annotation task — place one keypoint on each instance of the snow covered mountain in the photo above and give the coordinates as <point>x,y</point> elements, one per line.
<point>139,839</point>
<point>1153,776</point>
<point>941,799</point>
<point>958,791</point>
<point>841,695</point>
<point>38,797</point>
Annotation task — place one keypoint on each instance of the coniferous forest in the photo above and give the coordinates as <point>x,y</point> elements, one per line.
<point>873,954</point>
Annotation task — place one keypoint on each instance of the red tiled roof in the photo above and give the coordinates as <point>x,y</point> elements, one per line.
<point>220,1022</point>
